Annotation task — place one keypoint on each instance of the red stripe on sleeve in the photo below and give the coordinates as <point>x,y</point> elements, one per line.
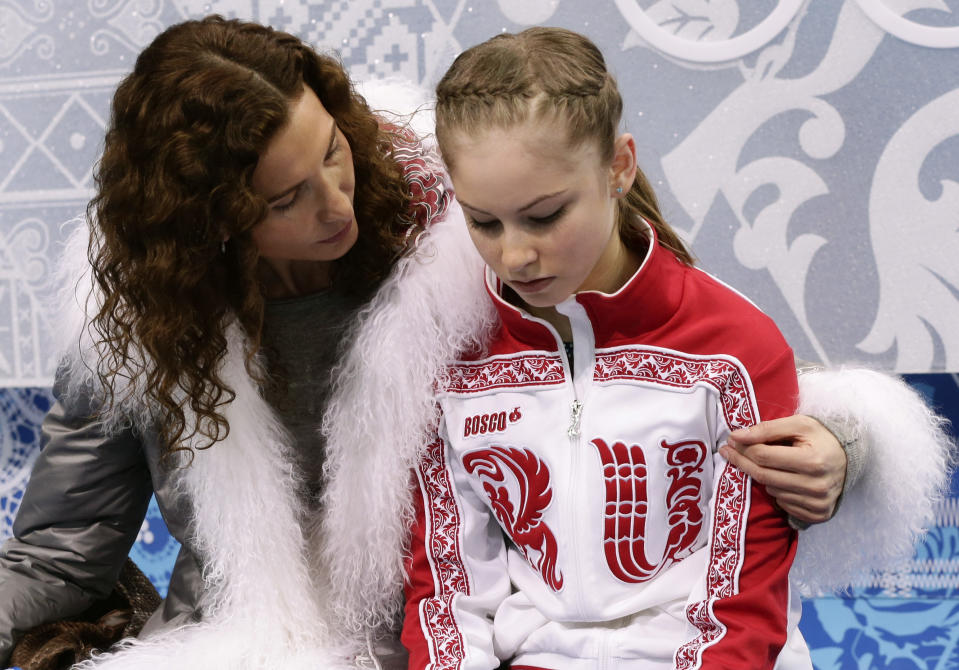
<point>435,569</point>
<point>743,619</point>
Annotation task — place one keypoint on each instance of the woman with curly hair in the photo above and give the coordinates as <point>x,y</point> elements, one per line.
<point>248,203</point>
<point>253,218</point>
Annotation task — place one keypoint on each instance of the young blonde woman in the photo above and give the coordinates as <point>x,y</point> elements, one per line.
<point>574,505</point>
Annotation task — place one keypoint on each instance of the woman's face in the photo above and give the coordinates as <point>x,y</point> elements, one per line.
<point>541,213</point>
<point>306,176</point>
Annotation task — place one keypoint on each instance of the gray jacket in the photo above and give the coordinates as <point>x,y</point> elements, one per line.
<point>59,561</point>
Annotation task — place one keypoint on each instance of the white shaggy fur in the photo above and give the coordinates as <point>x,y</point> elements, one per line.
<point>77,300</point>
<point>432,309</point>
<point>73,286</point>
<point>261,605</point>
<point>207,647</point>
<point>907,468</point>
<point>402,101</point>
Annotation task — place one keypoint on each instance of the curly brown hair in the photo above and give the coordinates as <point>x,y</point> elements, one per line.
<point>187,127</point>
<point>553,73</point>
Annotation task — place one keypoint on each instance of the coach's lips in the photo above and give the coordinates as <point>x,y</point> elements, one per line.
<point>339,235</point>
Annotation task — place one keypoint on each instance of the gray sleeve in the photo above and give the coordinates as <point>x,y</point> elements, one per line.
<point>850,438</point>
<point>79,516</point>
<point>846,429</point>
<point>847,433</point>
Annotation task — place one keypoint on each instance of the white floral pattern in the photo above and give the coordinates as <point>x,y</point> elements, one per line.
<point>505,371</point>
<point>441,513</point>
<point>679,371</point>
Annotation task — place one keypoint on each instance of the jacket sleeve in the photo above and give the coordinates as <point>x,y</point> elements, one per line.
<point>456,570</point>
<point>79,516</point>
<point>739,610</point>
<point>906,461</point>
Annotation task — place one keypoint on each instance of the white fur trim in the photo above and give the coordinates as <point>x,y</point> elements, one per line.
<point>261,604</point>
<point>74,288</point>
<point>401,101</point>
<point>429,311</point>
<point>77,299</point>
<point>259,600</point>
<point>908,459</point>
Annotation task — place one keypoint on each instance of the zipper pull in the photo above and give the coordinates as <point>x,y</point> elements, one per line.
<point>576,412</point>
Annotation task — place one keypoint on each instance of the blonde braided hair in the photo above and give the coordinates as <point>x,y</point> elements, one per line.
<point>549,74</point>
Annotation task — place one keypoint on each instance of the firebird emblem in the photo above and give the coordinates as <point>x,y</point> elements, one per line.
<point>521,518</point>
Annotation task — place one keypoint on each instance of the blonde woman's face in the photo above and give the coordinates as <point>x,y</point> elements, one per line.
<point>306,176</point>
<point>541,213</point>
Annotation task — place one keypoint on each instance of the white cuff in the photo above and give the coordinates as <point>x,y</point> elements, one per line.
<point>908,456</point>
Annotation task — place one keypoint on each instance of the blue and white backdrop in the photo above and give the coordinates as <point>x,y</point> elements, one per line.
<point>808,149</point>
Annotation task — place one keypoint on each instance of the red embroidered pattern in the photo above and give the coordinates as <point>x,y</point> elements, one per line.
<point>442,634</point>
<point>731,504</point>
<point>624,472</point>
<point>731,499</point>
<point>423,173</point>
<point>533,370</point>
<point>679,371</point>
<point>522,519</point>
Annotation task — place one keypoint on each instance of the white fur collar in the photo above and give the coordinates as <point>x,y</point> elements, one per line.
<point>266,603</point>
<point>260,601</point>
<point>433,308</point>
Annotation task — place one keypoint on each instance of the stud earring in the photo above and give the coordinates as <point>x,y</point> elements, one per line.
<point>619,189</point>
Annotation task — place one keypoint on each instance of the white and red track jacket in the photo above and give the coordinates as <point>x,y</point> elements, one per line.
<point>582,518</point>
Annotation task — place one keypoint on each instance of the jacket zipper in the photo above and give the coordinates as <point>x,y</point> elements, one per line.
<point>576,412</point>
<point>572,432</point>
<point>570,512</point>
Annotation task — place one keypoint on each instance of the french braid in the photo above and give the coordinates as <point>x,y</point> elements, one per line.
<point>551,74</point>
